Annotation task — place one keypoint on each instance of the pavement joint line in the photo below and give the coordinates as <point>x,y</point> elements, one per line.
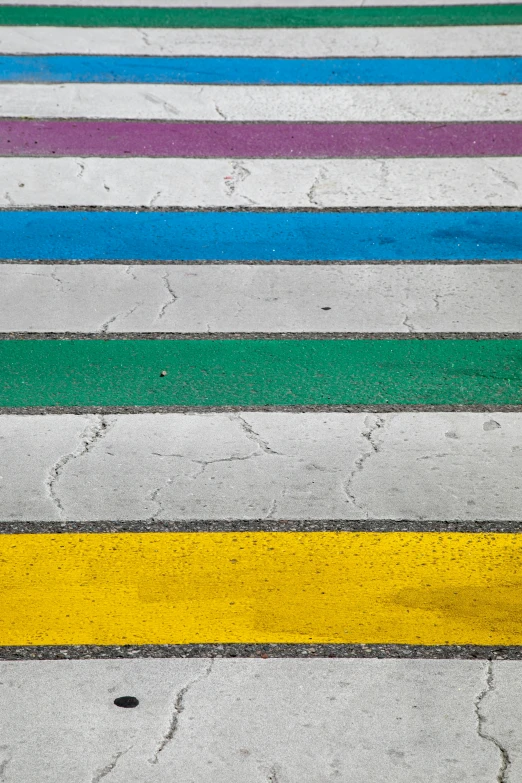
<point>368,651</point>
<point>462,209</point>
<point>39,410</point>
<point>14,527</point>
<point>145,335</point>
<point>260,262</point>
<point>214,123</point>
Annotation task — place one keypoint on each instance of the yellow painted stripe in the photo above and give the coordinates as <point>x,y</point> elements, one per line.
<point>336,587</point>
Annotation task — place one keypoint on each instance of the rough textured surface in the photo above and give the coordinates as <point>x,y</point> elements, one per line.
<point>393,103</point>
<point>262,465</point>
<point>308,235</point>
<point>270,721</point>
<point>323,42</point>
<point>257,140</point>
<point>244,298</point>
<point>119,68</point>
<point>195,183</point>
<point>267,17</point>
<point>255,588</point>
<point>256,3</point>
<point>107,375</point>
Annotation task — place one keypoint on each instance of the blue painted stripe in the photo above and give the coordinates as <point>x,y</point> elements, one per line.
<point>261,70</point>
<point>263,236</point>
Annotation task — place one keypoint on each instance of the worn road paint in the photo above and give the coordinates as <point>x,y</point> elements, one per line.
<point>202,373</point>
<point>489,41</point>
<point>339,587</point>
<point>401,16</point>
<point>253,298</point>
<point>260,236</point>
<point>338,103</point>
<point>194,183</point>
<point>91,138</point>
<point>260,70</point>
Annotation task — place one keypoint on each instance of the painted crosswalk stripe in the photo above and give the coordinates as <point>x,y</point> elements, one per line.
<point>92,138</point>
<point>273,299</point>
<point>261,236</point>
<point>336,587</point>
<point>260,70</point>
<point>144,329</point>
<point>240,103</point>
<point>209,184</point>
<point>256,373</point>
<point>332,16</point>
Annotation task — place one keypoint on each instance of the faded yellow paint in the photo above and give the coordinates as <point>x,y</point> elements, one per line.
<point>337,587</point>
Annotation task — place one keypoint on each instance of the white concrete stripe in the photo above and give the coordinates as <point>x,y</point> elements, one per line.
<point>316,42</point>
<point>316,184</point>
<point>270,465</point>
<point>406,720</point>
<point>242,298</point>
<point>298,103</point>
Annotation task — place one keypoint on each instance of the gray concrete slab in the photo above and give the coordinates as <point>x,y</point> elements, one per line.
<point>261,721</point>
<point>111,299</point>
<point>490,41</point>
<point>395,103</point>
<point>412,466</point>
<point>314,184</point>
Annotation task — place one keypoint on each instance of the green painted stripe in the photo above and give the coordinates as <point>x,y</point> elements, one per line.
<point>255,372</point>
<point>405,16</point>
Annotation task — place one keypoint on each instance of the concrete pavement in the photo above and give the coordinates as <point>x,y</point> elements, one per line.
<point>260,392</point>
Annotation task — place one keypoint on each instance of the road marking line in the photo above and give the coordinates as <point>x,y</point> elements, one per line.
<point>259,70</point>
<point>338,587</point>
<point>340,16</point>
<point>245,373</point>
<point>89,138</point>
<point>260,236</point>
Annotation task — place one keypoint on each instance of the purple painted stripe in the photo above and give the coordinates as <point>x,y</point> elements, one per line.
<point>263,140</point>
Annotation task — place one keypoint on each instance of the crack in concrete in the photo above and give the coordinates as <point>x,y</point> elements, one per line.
<point>155,197</point>
<point>5,762</point>
<point>312,192</point>
<point>254,436</point>
<point>144,36</point>
<point>408,324</point>
<point>102,773</point>
<point>178,708</point>
<point>92,433</point>
<point>172,296</point>
<point>169,108</point>
<point>50,273</point>
<point>505,760</point>
<point>372,424</point>
<point>273,776</point>
<point>81,166</point>
<point>504,178</point>
<point>130,272</point>
<point>9,199</point>
<point>239,174</point>
<point>202,466</point>
<point>105,325</point>
<point>219,112</point>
